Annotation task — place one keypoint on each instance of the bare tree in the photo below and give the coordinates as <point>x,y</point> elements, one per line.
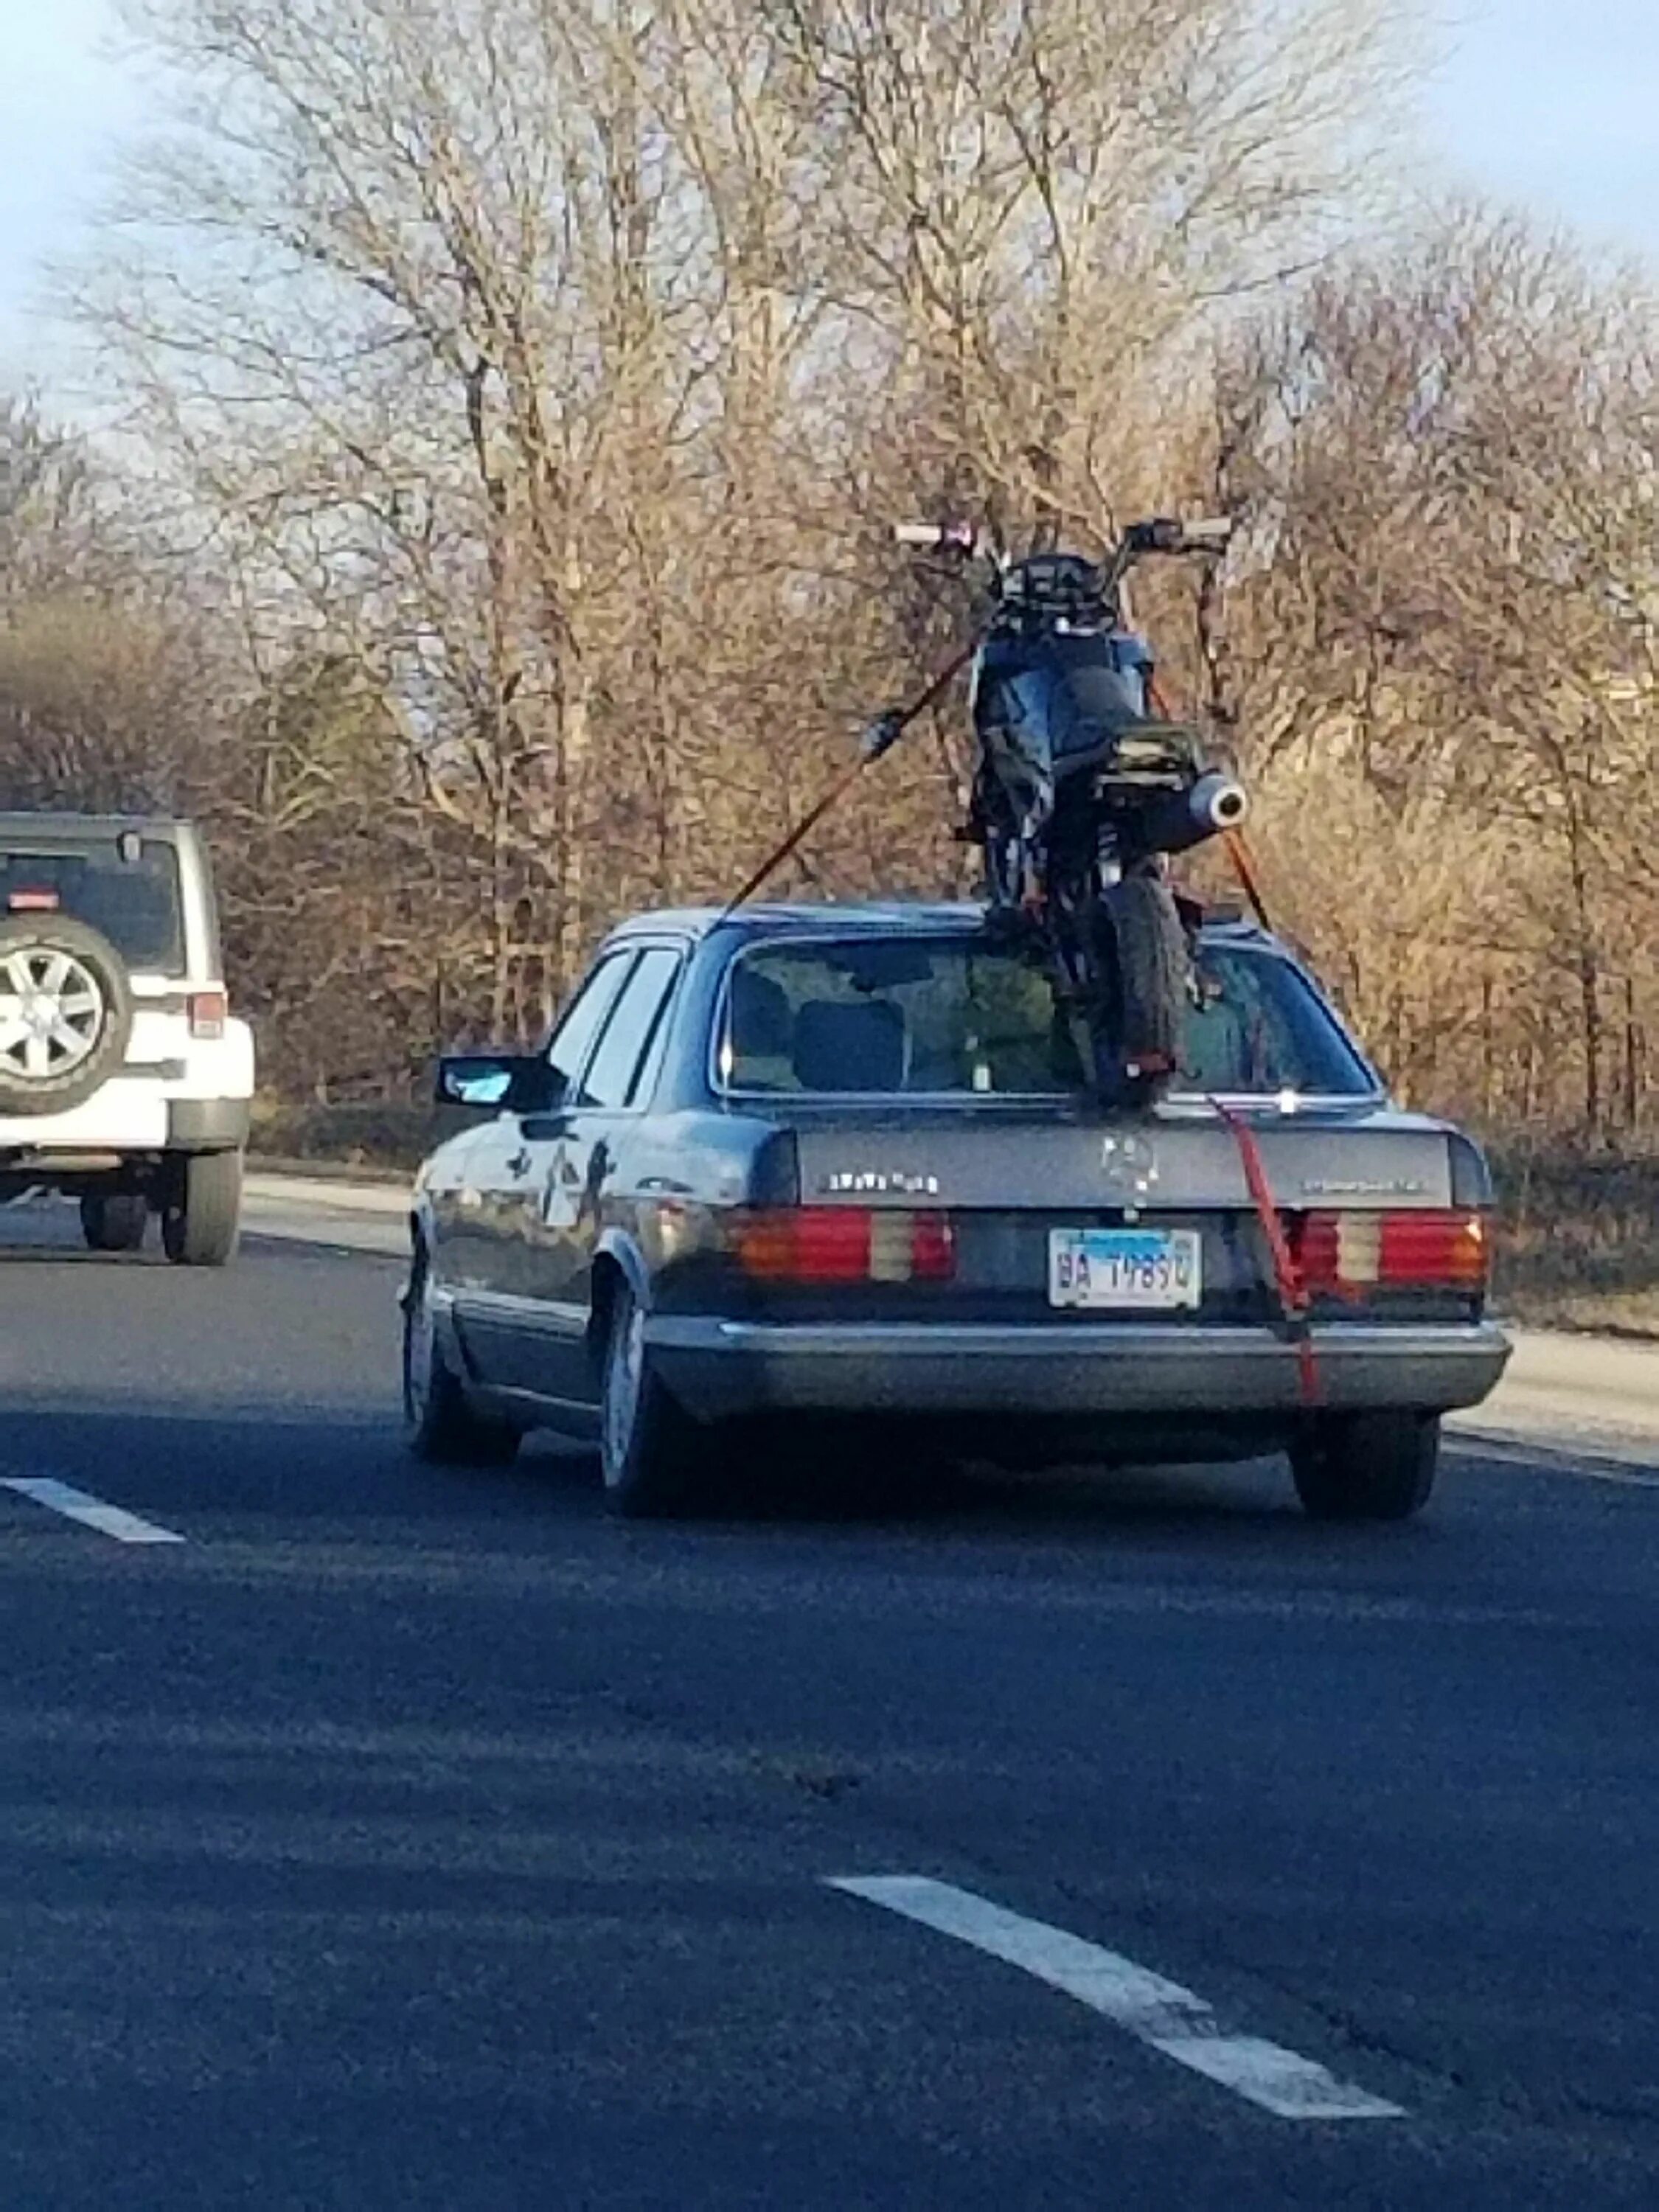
<point>533,383</point>
<point>1451,462</point>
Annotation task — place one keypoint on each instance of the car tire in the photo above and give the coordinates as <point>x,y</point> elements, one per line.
<point>1366,1466</point>
<point>440,1423</point>
<point>201,1216</point>
<point>652,1456</point>
<point>57,970</point>
<point>115,1221</point>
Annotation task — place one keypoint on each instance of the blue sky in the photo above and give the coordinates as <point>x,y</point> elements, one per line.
<point>1557,106</point>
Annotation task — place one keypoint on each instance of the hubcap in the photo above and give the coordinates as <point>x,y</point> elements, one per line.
<point>625,1374</point>
<point>51,1013</point>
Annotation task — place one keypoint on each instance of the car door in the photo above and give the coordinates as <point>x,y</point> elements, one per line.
<point>500,1174</point>
<point>581,1159</point>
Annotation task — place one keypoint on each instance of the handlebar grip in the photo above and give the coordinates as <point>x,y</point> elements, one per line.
<point>938,536</point>
<point>1209,530</point>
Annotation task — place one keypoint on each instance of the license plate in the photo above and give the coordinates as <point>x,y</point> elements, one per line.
<point>1145,1268</point>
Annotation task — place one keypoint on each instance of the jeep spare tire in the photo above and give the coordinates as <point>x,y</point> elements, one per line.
<point>66,1012</point>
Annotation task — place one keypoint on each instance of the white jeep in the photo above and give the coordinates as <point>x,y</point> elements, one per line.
<point>124,1081</point>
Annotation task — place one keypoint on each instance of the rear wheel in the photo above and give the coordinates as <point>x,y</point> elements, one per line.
<point>115,1221</point>
<point>439,1425</point>
<point>201,1219</point>
<point>1366,1466</point>
<point>1137,1006</point>
<point>652,1454</point>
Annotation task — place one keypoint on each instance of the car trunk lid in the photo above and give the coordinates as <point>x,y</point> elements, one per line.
<point>1012,1188</point>
<point>1182,1157</point>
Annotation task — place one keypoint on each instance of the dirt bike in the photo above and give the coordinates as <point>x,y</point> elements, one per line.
<point>1083,789</point>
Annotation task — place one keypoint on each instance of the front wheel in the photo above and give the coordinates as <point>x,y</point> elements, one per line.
<point>440,1423</point>
<point>1136,1003</point>
<point>1366,1466</point>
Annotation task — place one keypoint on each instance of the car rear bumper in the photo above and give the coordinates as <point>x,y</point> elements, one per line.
<point>129,1121</point>
<point>719,1369</point>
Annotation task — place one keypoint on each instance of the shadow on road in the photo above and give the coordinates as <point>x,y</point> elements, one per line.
<point>209,1469</point>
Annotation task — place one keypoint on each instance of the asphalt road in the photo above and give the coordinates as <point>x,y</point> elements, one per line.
<point>404,1839</point>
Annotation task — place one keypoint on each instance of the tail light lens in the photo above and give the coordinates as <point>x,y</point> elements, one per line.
<point>209,1011</point>
<point>843,1244</point>
<point>1427,1249</point>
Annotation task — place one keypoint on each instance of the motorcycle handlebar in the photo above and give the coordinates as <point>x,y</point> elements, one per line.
<point>1209,533</point>
<point>1161,534</point>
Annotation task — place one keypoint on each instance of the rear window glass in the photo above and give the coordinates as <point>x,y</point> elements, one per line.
<point>921,1017</point>
<point>134,902</point>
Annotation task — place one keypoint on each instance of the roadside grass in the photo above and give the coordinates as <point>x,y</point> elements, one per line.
<point>375,1140</point>
<point>1577,1238</point>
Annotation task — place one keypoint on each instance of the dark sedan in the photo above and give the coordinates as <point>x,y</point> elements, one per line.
<point>837,1162</point>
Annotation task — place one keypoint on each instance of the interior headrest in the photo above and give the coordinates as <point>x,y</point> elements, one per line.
<point>840,1046</point>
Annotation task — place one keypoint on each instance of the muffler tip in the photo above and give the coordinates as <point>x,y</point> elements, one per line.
<point>1220,802</point>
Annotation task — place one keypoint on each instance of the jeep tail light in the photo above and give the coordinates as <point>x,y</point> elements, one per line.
<point>843,1244</point>
<point>209,1011</point>
<point>1425,1248</point>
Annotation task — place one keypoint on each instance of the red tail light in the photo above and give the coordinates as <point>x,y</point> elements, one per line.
<point>208,1012</point>
<point>1427,1249</point>
<point>843,1244</point>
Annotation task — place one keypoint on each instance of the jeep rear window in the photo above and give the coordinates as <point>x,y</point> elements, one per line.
<point>134,902</point>
<point>920,1017</point>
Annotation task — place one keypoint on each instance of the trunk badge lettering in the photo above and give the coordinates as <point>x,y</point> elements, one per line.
<point>1356,1186</point>
<point>875,1183</point>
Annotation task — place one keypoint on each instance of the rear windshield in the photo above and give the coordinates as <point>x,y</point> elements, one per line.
<point>916,1017</point>
<point>134,902</point>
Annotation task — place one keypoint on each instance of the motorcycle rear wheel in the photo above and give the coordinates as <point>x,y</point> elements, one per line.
<point>1135,1006</point>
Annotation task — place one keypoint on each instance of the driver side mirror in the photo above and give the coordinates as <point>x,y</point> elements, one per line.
<point>496,1082</point>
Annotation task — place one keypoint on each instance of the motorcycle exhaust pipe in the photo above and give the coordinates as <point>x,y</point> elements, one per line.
<point>1218,801</point>
<point>1183,819</point>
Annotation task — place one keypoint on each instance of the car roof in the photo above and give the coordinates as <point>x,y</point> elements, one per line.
<point>872,918</point>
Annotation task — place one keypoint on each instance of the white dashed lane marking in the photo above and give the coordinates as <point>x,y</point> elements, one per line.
<point>1158,2013</point>
<point>79,1505</point>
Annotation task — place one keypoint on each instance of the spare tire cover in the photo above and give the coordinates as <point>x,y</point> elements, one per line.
<point>66,1012</point>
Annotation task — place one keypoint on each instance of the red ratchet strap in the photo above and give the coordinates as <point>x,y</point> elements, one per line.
<point>775,858</point>
<point>884,731</point>
<point>1244,868</point>
<point>1293,1300</point>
